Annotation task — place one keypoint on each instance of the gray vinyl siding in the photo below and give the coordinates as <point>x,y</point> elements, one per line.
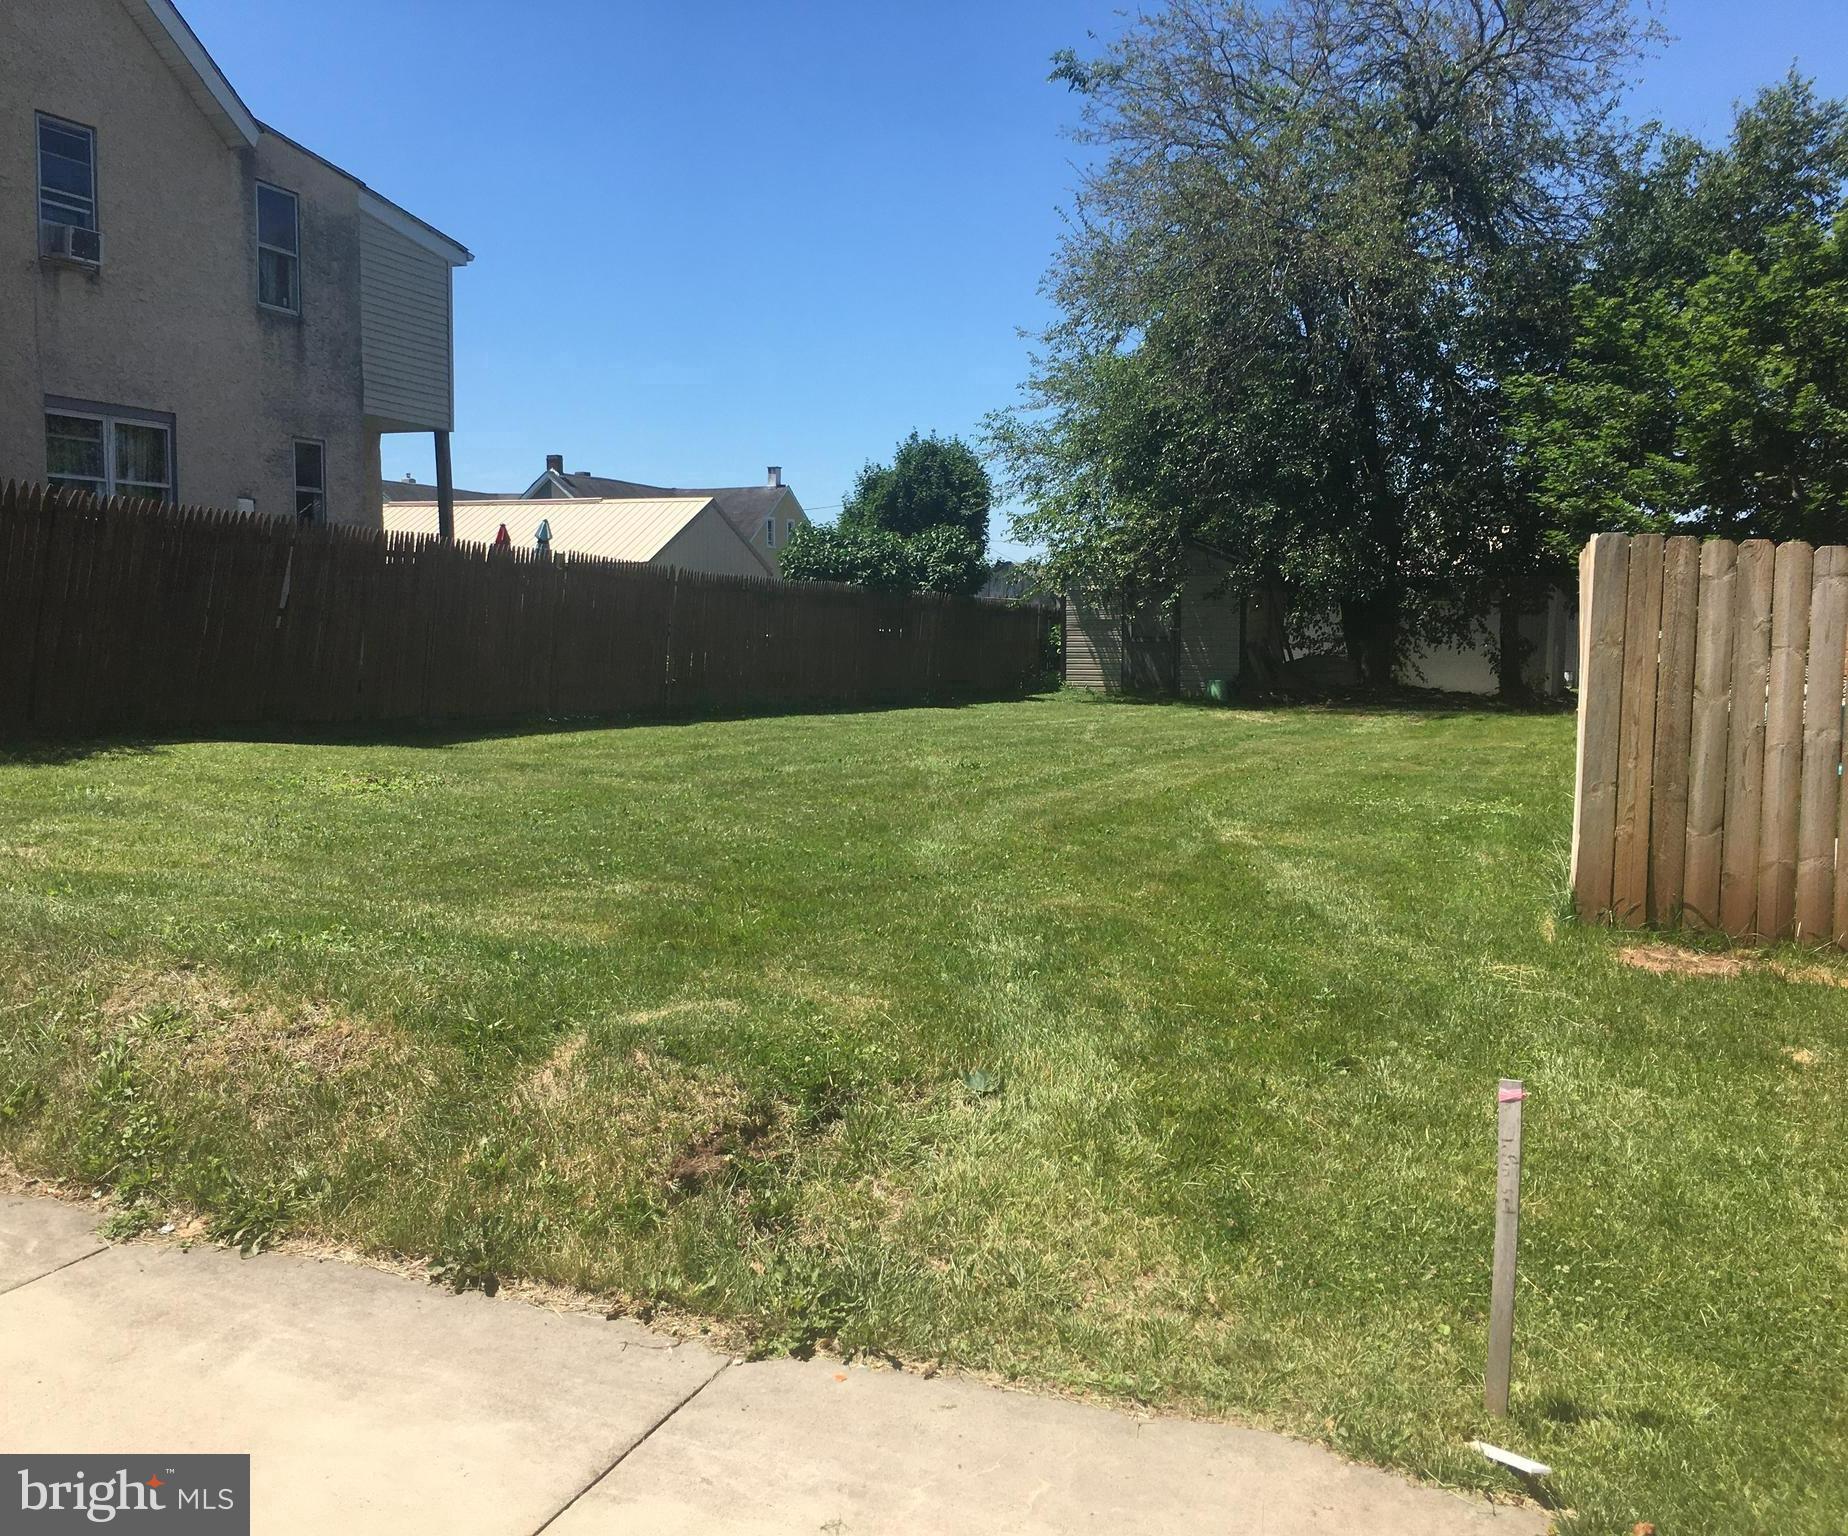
<point>1209,638</point>
<point>1093,644</point>
<point>1156,649</point>
<point>406,331</point>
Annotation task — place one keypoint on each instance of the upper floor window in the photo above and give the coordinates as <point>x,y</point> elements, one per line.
<point>279,260</point>
<point>108,454</point>
<point>788,528</point>
<point>310,481</point>
<point>67,173</point>
<point>770,532</point>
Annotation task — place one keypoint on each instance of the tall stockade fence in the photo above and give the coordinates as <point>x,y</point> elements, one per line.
<point>1710,737</point>
<point>122,615</point>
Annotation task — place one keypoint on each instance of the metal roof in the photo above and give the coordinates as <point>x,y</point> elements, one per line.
<point>609,529</point>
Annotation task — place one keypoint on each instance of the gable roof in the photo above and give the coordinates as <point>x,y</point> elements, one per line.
<point>205,82</point>
<point>609,528</point>
<point>416,490</point>
<point>166,29</point>
<point>745,506</point>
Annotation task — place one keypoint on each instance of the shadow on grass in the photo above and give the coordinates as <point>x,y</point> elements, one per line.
<point>49,751</point>
<point>1429,703</point>
<point>1558,1409</point>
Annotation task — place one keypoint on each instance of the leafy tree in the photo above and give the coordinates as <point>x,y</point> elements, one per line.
<point>855,556</point>
<point>1319,236</point>
<point>941,559</point>
<point>932,482</point>
<point>918,524</point>
<point>1706,386</point>
<point>946,559</point>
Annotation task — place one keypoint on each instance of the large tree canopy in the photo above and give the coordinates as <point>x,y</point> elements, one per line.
<point>1706,387</point>
<point>918,524</point>
<point>1318,237</point>
<point>932,482</point>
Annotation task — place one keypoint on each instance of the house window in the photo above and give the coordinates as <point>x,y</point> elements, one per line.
<point>279,263</point>
<point>770,533</point>
<point>109,455</point>
<point>788,528</point>
<point>67,173</point>
<point>310,481</point>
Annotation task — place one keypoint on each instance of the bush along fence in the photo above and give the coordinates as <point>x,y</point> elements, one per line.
<point>1710,737</point>
<point>122,615</point>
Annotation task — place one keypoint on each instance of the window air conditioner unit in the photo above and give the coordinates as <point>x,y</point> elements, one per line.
<point>68,243</point>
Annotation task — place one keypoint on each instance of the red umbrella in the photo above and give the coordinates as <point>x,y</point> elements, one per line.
<point>502,540</point>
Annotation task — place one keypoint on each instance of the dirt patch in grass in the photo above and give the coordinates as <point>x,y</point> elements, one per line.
<point>215,1025</point>
<point>1666,960</point>
<point>1672,960</point>
<point>704,1159</point>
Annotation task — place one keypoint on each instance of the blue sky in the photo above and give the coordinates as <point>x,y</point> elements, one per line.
<point>712,238</point>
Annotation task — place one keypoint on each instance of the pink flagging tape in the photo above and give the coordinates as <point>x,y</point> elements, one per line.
<point>1510,1095</point>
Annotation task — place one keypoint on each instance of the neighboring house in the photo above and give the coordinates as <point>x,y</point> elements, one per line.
<point>1212,632</point>
<point>689,533</point>
<point>412,489</point>
<point>196,308</point>
<point>762,514</point>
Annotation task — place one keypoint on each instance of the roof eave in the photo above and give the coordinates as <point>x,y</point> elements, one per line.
<point>176,42</point>
<point>179,45</point>
<point>407,224</point>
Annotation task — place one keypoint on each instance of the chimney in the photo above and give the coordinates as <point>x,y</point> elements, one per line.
<point>555,463</point>
<point>776,474</point>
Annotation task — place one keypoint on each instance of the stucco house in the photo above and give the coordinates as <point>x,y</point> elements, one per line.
<point>689,533</point>
<point>196,308</point>
<point>762,514</point>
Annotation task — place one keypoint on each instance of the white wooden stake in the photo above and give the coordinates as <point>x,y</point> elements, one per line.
<point>1507,1233</point>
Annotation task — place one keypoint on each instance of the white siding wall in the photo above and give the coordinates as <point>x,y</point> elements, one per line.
<point>406,328</point>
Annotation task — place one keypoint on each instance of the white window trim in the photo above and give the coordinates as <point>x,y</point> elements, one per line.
<point>38,169</point>
<point>320,446</point>
<point>256,213</point>
<point>110,418</point>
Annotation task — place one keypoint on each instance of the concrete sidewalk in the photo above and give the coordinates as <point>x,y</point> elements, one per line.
<point>375,1403</point>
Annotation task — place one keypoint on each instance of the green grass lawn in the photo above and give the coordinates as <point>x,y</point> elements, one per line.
<point>1147,1051</point>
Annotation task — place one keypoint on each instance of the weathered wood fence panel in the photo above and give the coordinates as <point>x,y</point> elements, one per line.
<point>1710,745</point>
<point>121,615</point>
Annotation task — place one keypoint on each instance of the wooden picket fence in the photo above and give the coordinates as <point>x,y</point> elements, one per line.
<point>1710,737</point>
<point>131,616</point>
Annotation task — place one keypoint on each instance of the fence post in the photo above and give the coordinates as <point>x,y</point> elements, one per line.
<point>1500,1368</point>
<point>1700,884</point>
<point>1604,567</point>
